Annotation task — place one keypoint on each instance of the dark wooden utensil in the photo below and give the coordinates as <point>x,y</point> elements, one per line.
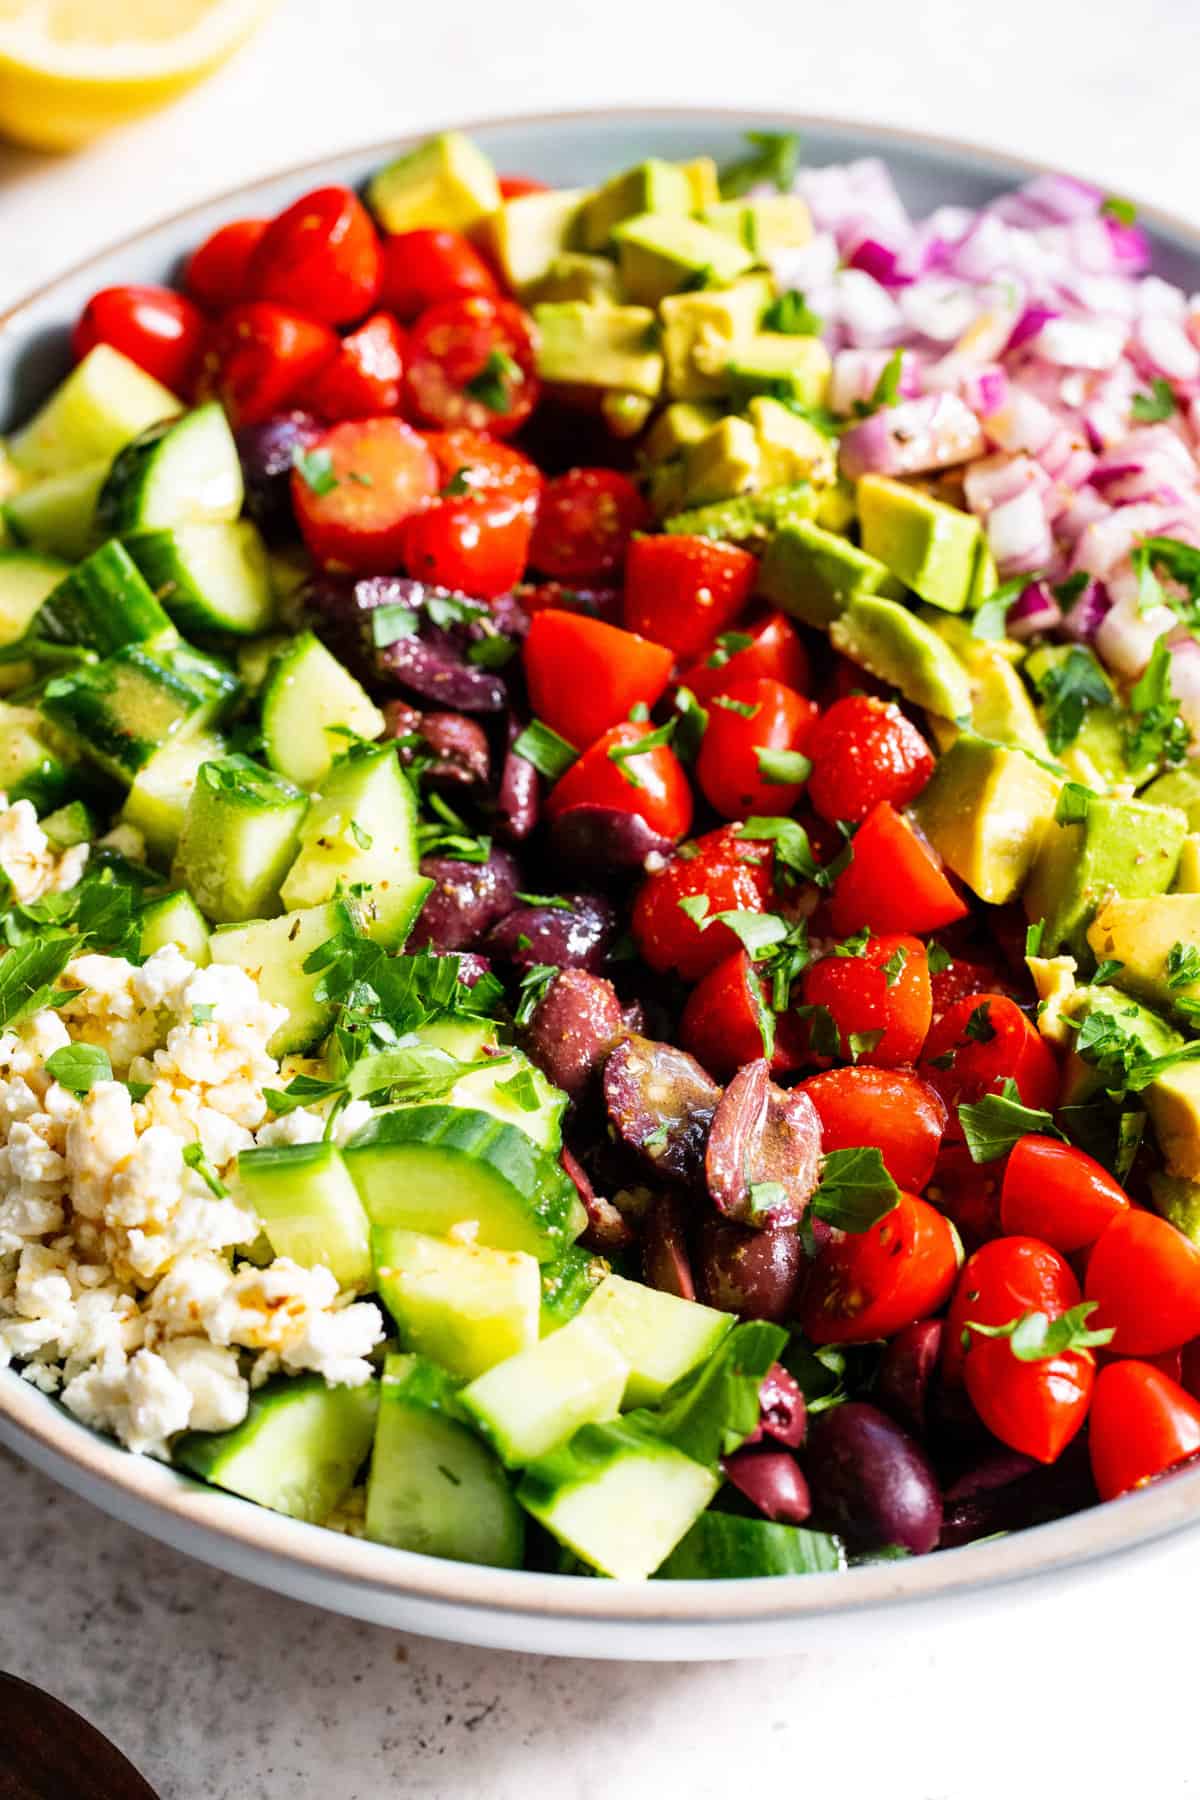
<point>47,1752</point>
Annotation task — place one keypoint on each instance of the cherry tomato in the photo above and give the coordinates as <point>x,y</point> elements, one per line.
<point>720,1023</point>
<point>372,475</point>
<point>471,463</point>
<point>363,380</point>
<point>966,1191</point>
<point>423,268</point>
<point>323,253</point>
<point>1146,1277</point>
<point>894,880</point>
<point>515,187</point>
<point>770,647</point>
<point>1002,1281</point>
<point>584,524</point>
<point>982,1041</point>
<point>682,591</point>
<point>871,1284</point>
<point>1033,1407</point>
<point>1142,1424</point>
<point>864,751</point>
<point>217,274</point>
<point>471,362</point>
<point>884,989</point>
<point>1058,1193</point>
<point>746,724</point>
<point>584,676</point>
<point>902,1116</point>
<point>260,357</point>
<point>478,544</point>
<point>653,785</point>
<point>731,873</point>
<point>848,678</point>
<point>961,977</point>
<point>153,326</point>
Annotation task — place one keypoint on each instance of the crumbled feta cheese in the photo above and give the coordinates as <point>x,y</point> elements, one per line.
<point>27,858</point>
<point>220,1393</point>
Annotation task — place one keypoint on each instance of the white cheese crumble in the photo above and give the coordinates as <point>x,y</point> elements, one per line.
<point>26,857</point>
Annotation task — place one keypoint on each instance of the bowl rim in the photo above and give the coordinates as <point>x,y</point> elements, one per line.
<point>162,1499</point>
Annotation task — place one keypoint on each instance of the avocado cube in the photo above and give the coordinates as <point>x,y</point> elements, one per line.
<point>751,520</point>
<point>1001,707</point>
<point>1081,1080</point>
<point>703,181</point>
<point>1187,875</point>
<point>661,253</point>
<point>1178,1200</point>
<point>780,366</point>
<point>445,182</point>
<point>792,449</point>
<point>1121,847</point>
<point>773,222</point>
<point>1140,934</point>
<point>984,580</point>
<point>599,346</point>
<point>885,638</point>
<point>1173,1102</point>
<point>574,276</point>
<point>699,331</point>
<point>652,187</point>
<point>726,461</point>
<point>985,810</point>
<point>525,235</point>
<point>1179,787</point>
<point>677,427</point>
<point>814,574</point>
<point>929,546</point>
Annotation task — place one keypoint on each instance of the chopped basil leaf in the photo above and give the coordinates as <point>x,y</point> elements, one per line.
<point>774,156</point>
<point>1107,971</point>
<point>493,651</point>
<point>28,974</point>
<point>303,1090</point>
<point>534,985</point>
<point>691,723</point>
<point>620,754</point>
<point>746,709</point>
<point>728,644</point>
<point>362,838</point>
<point>862,1043</point>
<point>992,1126</point>
<point>550,754</point>
<point>1035,1337</point>
<point>695,906</point>
<point>1067,689</point>
<point>855,945</point>
<point>77,1067</point>
<point>856,1190</point>
<point>939,958</point>
<point>756,932</point>
<point>781,768</point>
<point>893,968</point>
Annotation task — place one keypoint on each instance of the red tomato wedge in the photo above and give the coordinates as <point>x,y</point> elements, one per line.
<point>652,784</point>
<point>720,1023</point>
<point>729,874</point>
<point>1002,1281</point>
<point>471,362</point>
<point>682,591</point>
<point>260,357</point>
<point>863,751</point>
<point>982,1041</point>
<point>1145,1276</point>
<point>218,273</point>
<point>423,268</point>
<point>751,724</point>
<point>894,880</point>
<point>584,523</point>
<point>478,544</point>
<point>891,1109</point>
<point>1142,1424</point>
<point>768,647</point>
<point>1033,1407</point>
<point>363,379</point>
<point>584,676</point>
<point>1058,1193</point>
<point>873,1283</point>
<point>884,989</point>
<point>322,253</point>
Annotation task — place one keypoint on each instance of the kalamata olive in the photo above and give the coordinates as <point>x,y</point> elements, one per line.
<point>575,935</point>
<point>771,1480</point>
<point>755,1274</point>
<point>460,747</point>
<point>660,1102</point>
<point>267,453</point>
<point>438,672</point>
<point>665,1262</point>
<point>519,796</point>
<point>870,1480</point>
<point>467,898</point>
<point>909,1365</point>
<point>782,1411</point>
<point>574,1026</point>
<point>605,841</point>
<point>606,1229</point>
<point>506,615</point>
<point>763,1159</point>
<point>472,967</point>
<point>1004,1491</point>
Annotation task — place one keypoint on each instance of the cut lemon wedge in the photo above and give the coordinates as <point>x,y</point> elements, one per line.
<point>72,68</point>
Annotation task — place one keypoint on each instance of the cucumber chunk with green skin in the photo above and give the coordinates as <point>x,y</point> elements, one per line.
<point>239,837</point>
<point>467,1039</point>
<point>208,577</point>
<point>297,1451</point>
<point>660,1336</point>
<point>272,952</point>
<point>30,769</point>
<point>430,1168</point>
<point>618,1496</point>
<point>527,1405</point>
<point>725,1547</point>
<point>461,1304</point>
<point>711,1411</point>
<point>254,660</point>
<point>434,1487</point>
<point>104,603</point>
<point>104,402</point>
<point>517,1093</point>
<point>568,1283</point>
<point>27,577</point>
<point>309,704</point>
<point>174,919</point>
<point>121,711</point>
<point>158,796</point>
<point>309,1208</point>
<point>58,514</point>
<point>72,824</point>
<point>179,472</point>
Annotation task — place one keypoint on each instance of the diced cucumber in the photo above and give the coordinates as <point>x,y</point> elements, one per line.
<point>104,603</point>
<point>527,1405</point>
<point>175,919</point>
<point>297,1450</point>
<point>725,1547</point>
<point>181,472</point>
<point>309,1208</point>
<point>517,1093</point>
<point>362,832</point>
<point>58,513</point>
<point>466,1039</point>
<point>568,1283</point>
<point>272,952</point>
<point>70,825</point>
<point>309,703</point>
<point>209,577</point>
<point>434,1487</point>
<point>660,1336</point>
<point>103,403</point>
<point>120,711</point>
<point>617,1496</point>
<point>239,837</point>
<point>431,1168</point>
<point>26,577</point>
<point>157,800</point>
<point>30,769</point>
<point>461,1304</point>
<point>255,658</point>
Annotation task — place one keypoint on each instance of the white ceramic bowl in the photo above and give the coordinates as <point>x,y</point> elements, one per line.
<point>552,1614</point>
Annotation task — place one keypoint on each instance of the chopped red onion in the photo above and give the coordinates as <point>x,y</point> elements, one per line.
<point>1034,611</point>
<point>1018,534</point>
<point>1030,323</point>
<point>1084,617</point>
<point>934,432</point>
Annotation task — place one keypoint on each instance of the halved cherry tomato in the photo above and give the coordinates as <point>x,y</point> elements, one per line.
<point>373,474</point>
<point>515,187</point>
<point>652,784</point>
<point>872,1284</point>
<point>731,873</point>
<point>584,523</point>
<point>896,1112</point>
<point>894,880</point>
<point>982,1041</point>
<point>363,380</point>
<point>471,463</point>
<point>1033,1407</point>
<point>682,591</point>
<point>769,646</point>
<point>479,544</point>
<point>745,724</point>
<point>423,268</point>
<point>884,989</point>
<point>260,357</point>
<point>471,362</point>
<point>584,676</point>
<point>1142,1424</point>
<point>1058,1193</point>
<point>322,251</point>
<point>720,1024</point>
<point>154,327</point>
<point>1146,1277</point>
<point>218,273</point>
<point>1002,1281</point>
<point>864,751</point>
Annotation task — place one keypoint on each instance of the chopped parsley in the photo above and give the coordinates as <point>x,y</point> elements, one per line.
<point>1107,971</point>
<point>535,983</point>
<point>194,1157</point>
<point>1183,965</point>
<point>550,754</point>
<point>793,316</point>
<point>774,156</point>
<point>458,484</point>
<point>991,620</point>
<point>992,1125</point>
<point>746,709</point>
<point>620,754</point>
<point>1067,689</point>
<point>939,958</point>
<point>77,1067</point>
<point>979,1028</point>
<point>1035,1337</point>
<point>783,768</point>
<point>856,1190</point>
<point>893,968</point>
<point>27,977</point>
<point>1155,732</point>
<point>728,644</point>
<point>691,723</point>
<point>1073,804</point>
<point>494,385</point>
<point>315,469</point>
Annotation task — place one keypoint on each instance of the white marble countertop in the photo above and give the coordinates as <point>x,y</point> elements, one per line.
<point>222,1692</point>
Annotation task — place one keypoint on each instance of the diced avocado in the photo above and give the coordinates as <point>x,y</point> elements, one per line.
<point>985,810</point>
<point>447,181</point>
<point>814,574</point>
<point>527,1405</point>
<point>1054,981</point>
<point>699,331</point>
<point>1096,755</point>
<point>1187,875</point>
<point>573,276</point>
<point>677,427</point>
<point>751,520</point>
<point>1140,934</point>
<point>661,253</point>
<point>652,187</point>
<point>885,638</point>
<point>1173,1102</point>
<point>772,222</point>
<point>1001,707</point>
<point>1178,1200</point>
<point>660,1336</point>
<point>1178,787</point>
<point>599,346</point>
<point>792,449</point>
<point>782,367</point>
<point>929,546</point>
<point>704,182</point>
<point>835,508</point>
<point>462,1304</point>
<point>725,462</point>
<point>1121,847</point>
<point>1136,1022</point>
<point>525,235</point>
<point>624,414</point>
<point>663,487</point>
